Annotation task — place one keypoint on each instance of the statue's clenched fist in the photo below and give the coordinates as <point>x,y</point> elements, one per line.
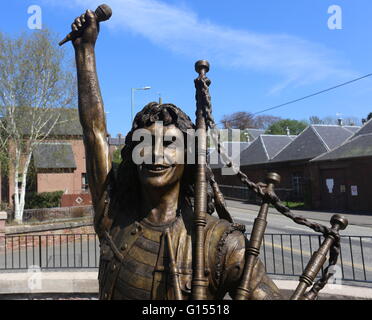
<point>85,29</point>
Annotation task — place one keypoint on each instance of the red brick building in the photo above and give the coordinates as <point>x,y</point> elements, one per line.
<point>341,178</point>
<point>59,163</point>
<point>292,162</point>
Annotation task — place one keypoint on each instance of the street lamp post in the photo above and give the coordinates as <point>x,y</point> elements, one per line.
<point>132,100</point>
<point>160,98</point>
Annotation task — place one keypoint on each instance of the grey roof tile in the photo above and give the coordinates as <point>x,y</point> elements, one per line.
<point>116,141</point>
<point>275,143</point>
<point>254,154</point>
<point>255,133</point>
<point>227,135</point>
<point>229,146</point>
<point>333,136</point>
<point>263,149</point>
<point>119,140</point>
<point>69,124</point>
<point>366,129</point>
<point>361,146</point>
<point>54,156</point>
<point>232,149</point>
<point>352,128</point>
<point>306,146</point>
<point>313,141</point>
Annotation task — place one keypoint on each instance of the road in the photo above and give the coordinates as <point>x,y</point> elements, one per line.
<point>359,225</point>
<point>287,246</point>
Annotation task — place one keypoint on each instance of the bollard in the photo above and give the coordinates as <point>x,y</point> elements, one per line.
<point>3,217</point>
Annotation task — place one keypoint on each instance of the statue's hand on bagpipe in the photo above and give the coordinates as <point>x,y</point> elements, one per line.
<point>202,82</point>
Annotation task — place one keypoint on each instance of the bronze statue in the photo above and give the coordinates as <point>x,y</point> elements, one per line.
<point>157,235</point>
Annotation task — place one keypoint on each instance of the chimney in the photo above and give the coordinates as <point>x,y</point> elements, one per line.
<point>119,138</point>
<point>340,122</point>
<point>246,133</point>
<point>288,131</point>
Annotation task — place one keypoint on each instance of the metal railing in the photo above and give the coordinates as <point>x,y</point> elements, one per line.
<point>288,254</point>
<point>282,254</point>
<point>56,251</point>
<point>243,193</point>
<point>237,192</point>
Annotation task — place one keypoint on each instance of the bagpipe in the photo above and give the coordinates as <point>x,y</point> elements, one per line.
<point>265,191</point>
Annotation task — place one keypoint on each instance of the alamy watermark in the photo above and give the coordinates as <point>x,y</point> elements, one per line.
<point>169,146</point>
<point>335,282</point>
<point>335,20</point>
<point>35,279</point>
<point>35,19</point>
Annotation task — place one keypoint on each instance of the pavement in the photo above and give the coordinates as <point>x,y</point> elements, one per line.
<point>48,282</point>
<point>52,283</point>
<point>330,292</point>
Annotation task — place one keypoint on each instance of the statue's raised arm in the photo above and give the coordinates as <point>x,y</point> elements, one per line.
<point>91,111</point>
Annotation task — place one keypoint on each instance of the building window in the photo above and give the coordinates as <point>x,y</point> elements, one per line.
<point>84,182</point>
<point>297,185</point>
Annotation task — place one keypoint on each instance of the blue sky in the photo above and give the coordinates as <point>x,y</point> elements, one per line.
<point>262,53</point>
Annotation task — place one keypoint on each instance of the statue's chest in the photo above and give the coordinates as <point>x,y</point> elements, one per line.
<point>146,255</point>
<point>144,271</point>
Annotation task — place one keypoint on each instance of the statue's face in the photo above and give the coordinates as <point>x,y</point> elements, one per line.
<point>167,154</point>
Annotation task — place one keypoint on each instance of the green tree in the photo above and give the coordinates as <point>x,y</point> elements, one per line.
<point>36,81</point>
<point>116,156</point>
<point>369,117</point>
<point>295,127</point>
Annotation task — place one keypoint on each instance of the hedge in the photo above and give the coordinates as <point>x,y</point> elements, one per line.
<point>34,200</point>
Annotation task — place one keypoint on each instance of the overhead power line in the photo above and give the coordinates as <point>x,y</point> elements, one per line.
<point>308,96</point>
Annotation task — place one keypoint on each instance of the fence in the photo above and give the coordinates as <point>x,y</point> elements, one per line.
<point>57,251</point>
<point>282,254</point>
<point>288,254</point>
<point>243,193</point>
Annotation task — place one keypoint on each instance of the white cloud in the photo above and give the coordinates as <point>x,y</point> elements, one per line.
<point>180,30</point>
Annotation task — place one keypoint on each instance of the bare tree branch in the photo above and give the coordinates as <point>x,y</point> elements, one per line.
<point>36,81</point>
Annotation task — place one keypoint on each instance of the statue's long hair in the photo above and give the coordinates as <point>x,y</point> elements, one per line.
<point>127,187</point>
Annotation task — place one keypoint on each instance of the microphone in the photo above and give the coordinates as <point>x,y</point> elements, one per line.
<point>103,13</point>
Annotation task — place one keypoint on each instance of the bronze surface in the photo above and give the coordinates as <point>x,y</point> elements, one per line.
<point>137,209</point>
